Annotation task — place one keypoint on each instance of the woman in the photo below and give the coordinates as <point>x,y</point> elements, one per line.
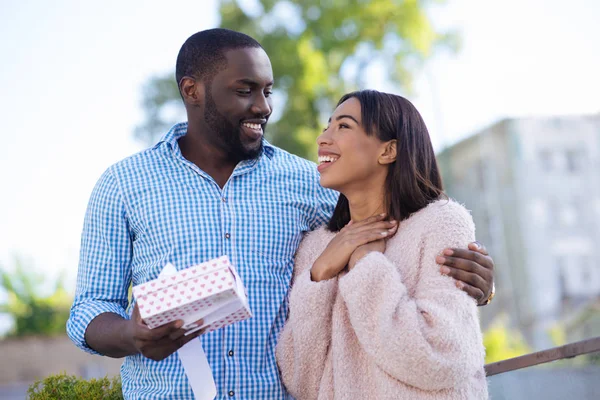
<point>371,317</point>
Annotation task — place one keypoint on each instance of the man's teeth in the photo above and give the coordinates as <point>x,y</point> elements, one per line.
<point>324,159</point>
<point>252,126</point>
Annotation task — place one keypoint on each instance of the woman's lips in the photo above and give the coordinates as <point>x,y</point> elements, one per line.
<point>325,164</point>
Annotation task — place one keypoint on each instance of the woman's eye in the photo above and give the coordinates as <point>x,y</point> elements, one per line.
<point>343,126</point>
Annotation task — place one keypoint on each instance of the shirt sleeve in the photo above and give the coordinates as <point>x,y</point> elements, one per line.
<point>104,274</point>
<point>326,199</point>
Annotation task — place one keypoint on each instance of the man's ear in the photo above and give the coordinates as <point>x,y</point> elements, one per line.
<point>388,153</point>
<point>192,90</point>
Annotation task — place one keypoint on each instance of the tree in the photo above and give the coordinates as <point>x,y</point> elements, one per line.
<point>319,49</point>
<point>502,343</point>
<point>32,312</point>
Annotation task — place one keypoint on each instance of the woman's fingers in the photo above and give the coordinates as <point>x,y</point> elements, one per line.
<point>372,226</point>
<point>373,234</point>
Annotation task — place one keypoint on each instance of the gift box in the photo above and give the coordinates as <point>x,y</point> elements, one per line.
<point>211,291</point>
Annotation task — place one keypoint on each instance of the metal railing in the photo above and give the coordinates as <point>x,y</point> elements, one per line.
<point>541,357</point>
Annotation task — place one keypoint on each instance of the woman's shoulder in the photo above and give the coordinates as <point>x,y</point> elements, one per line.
<point>313,243</point>
<point>443,212</point>
<point>447,207</point>
<point>320,237</point>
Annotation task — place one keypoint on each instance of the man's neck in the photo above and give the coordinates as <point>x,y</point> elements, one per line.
<point>195,148</point>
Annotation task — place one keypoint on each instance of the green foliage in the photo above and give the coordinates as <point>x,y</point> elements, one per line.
<point>32,312</point>
<point>502,343</point>
<point>557,334</point>
<point>310,43</point>
<point>579,326</point>
<point>69,387</point>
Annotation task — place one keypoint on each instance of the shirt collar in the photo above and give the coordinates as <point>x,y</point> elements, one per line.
<point>179,130</point>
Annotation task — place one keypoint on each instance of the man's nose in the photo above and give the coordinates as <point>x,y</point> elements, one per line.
<point>261,106</point>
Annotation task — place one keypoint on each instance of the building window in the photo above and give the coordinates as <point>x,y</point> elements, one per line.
<point>478,174</point>
<point>589,275</point>
<point>562,286</point>
<point>563,213</point>
<point>554,214</point>
<point>562,278</point>
<point>574,160</point>
<point>586,274</point>
<point>546,160</point>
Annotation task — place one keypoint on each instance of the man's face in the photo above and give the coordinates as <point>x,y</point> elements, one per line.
<point>238,103</point>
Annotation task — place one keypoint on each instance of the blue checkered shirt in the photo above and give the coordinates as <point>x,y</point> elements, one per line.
<point>156,207</point>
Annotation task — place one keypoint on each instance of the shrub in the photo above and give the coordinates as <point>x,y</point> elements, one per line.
<point>67,387</point>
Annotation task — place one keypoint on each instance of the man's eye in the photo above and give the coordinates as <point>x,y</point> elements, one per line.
<point>243,91</point>
<point>268,93</point>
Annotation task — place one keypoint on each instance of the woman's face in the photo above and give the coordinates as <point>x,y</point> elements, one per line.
<point>348,158</point>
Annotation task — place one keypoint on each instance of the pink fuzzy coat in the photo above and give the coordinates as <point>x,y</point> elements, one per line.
<point>393,327</point>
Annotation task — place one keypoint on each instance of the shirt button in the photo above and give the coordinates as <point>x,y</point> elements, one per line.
<point>231,393</point>
<point>224,200</point>
<point>227,236</point>
<point>230,353</point>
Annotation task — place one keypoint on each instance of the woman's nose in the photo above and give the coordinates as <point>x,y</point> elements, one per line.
<point>324,137</point>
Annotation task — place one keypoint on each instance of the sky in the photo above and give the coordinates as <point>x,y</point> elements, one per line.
<point>73,72</point>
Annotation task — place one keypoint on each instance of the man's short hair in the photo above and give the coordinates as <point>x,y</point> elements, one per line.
<point>203,54</point>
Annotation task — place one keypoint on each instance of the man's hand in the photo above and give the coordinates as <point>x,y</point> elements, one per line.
<point>473,270</point>
<point>158,343</point>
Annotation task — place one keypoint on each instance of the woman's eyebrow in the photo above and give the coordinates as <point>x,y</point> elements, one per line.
<point>344,116</point>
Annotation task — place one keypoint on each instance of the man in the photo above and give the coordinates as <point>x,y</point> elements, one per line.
<point>211,186</point>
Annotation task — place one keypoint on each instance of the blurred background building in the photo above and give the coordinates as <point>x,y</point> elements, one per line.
<point>533,185</point>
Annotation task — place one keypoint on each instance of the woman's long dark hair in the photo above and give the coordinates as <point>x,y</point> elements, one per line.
<point>413,180</point>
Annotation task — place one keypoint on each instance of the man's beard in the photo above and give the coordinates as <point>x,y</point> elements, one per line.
<point>227,136</point>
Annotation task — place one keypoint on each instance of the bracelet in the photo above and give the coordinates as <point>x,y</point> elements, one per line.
<point>492,294</point>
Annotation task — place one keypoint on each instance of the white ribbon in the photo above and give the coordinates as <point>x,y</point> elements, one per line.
<point>194,361</point>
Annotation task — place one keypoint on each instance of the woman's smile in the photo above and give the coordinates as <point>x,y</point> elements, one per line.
<point>326,161</point>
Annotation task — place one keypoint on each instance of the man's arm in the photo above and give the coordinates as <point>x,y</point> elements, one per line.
<point>98,322</point>
<point>107,335</point>
<point>104,272</point>
<point>113,336</point>
<point>473,270</point>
